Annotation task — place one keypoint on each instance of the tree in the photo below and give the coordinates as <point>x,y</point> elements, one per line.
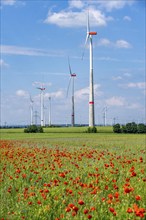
<point>131,127</point>
<point>117,128</point>
<point>33,129</point>
<point>92,130</point>
<point>123,129</point>
<point>141,128</point>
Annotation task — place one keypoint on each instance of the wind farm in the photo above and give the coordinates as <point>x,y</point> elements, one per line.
<point>72,124</point>
<point>105,74</point>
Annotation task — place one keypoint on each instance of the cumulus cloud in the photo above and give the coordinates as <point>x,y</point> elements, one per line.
<point>122,44</point>
<point>114,5</point>
<point>117,44</point>
<point>127,18</point>
<point>115,101</point>
<point>58,94</point>
<point>22,93</point>
<point>84,92</point>
<point>107,5</point>
<point>76,3</point>
<point>69,18</point>
<point>104,42</point>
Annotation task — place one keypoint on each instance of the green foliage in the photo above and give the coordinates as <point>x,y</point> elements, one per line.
<point>117,128</point>
<point>123,129</point>
<point>141,128</point>
<point>91,130</point>
<point>33,129</point>
<point>131,128</point>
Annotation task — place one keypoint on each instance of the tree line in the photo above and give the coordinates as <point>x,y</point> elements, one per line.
<point>131,128</point>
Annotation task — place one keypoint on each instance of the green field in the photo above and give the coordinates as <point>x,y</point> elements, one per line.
<point>66,173</point>
<point>76,136</point>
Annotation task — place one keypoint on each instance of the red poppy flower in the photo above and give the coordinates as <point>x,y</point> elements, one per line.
<point>81,202</point>
<point>86,211</point>
<point>129,210</point>
<point>89,216</point>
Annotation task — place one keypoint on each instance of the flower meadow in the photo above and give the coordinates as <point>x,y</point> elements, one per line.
<point>40,181</point>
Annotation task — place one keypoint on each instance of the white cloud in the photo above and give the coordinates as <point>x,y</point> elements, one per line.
<point>122,44</point>
<point>113,5</point>
<point>8,2</point>
<point>41,84</point>
<point>133,106</point>
<point>57,94</point>
<point>107,59</point>
<point>118,44</point>
<point>68,18</point>
<point>116,77</point>
<point>84,93</point>
<point>104,42</point>
<point>76,3</point>
<point>21,93</point>
<point>139,85</point>
<point>127,74</point>
<point>115,101</point>
<point>16,50</point>
<point>127,18</point>
<point>3,63</point>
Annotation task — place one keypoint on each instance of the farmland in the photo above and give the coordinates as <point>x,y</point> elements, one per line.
<point>65,173</point>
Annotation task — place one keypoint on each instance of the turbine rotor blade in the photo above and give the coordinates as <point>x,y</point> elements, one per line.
<point>87,36</point>
<point>88,24</point>
<point>69,66</point>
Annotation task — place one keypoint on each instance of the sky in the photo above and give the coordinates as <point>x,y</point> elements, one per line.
<point>38,36</point>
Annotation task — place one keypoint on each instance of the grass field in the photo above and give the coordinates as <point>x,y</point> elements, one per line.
<point>65,173</point>
<point>77,136</point>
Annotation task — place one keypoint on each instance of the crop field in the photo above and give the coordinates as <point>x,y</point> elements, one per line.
<point>65,173</point>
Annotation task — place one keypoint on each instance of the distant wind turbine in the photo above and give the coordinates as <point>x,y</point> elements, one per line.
<point>72,76</point>
<point>105,115</point>
<point>50,111</point>
<point>31,110</point>
<point>91,83</point>
<point>42,104</point>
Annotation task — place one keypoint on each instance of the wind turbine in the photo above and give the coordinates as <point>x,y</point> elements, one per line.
<point>31,110</point>
<point>42,104</point>
<point>91,83</point>
<point>105,115</point>
<point>72,76</point>
<point>50,111</point>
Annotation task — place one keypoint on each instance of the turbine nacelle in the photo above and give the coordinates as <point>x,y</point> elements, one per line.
<point>41,88</point>
<point>92,33</point>
<point>73,75</point>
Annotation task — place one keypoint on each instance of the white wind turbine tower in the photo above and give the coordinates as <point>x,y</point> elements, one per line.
<point>72,76</point>
<point>42,104</point>
<point>31,110</point>
<point>91,83</point>
<point>50,111</point>
<point>105,115</point>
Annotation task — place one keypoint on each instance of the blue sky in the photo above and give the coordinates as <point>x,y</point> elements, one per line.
<point>38,36</point>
